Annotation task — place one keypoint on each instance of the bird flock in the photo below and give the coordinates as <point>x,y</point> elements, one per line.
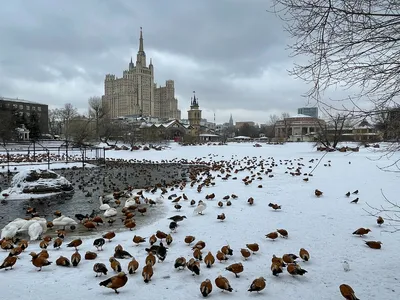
<point>198,199</point>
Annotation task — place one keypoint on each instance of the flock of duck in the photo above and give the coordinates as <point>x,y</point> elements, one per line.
<point>157,246</point>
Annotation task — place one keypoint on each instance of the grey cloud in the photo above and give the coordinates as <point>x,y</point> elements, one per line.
<point>47,42</point>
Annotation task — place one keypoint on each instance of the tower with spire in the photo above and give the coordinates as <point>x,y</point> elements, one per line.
<point>231,121</point>
<point>194,115</point>
<point>136,93</point>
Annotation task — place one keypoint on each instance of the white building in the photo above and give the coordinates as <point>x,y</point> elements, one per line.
<point>298,128</point>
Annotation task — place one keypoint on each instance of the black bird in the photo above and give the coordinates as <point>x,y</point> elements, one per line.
<point>172,196</point>
<point>161,252</point>
<point>122,254</point>
<point>153,249</point>
<point>355,201</point>
<point>348,194</point>
<point>92,214</point>
<point>100,268</point>
<point>98,243</point>
<point>80,217</point>
<point>177,218</point>
<point>355,192</point>
<point>173,226</point>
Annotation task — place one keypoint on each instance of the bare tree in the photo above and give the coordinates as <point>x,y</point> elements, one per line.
<point>346,43</point>
<point>55,124</point>
<point>273,119</point>
<point>388,123</point>
<point>331,132</point>
<point>110,131</point>
<point>65,115</point>
<point>98,112</point>
<point>79,130</point>
<point>390,212</point>
<point>269,128</point>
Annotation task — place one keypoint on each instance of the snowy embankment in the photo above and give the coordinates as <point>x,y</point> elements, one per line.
<point>322,225</point>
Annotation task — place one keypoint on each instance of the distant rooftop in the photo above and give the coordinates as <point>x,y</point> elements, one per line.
<point>300,116</point>
<point>19,100</point>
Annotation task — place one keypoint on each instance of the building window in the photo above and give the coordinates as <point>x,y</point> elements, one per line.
<point>33,108</point>
<point>39,108</point>
<point>27,107</point>
<point>21,106</point>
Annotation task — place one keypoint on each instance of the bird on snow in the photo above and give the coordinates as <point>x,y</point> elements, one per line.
<point>201,206</point>
<point>346,266</point>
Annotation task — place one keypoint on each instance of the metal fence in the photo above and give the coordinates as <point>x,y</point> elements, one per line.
<point>48,152</point>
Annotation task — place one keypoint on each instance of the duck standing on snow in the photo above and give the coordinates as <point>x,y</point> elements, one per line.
<point>201,206</point>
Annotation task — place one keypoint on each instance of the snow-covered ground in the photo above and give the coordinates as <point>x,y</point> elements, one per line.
<point>322,225</point>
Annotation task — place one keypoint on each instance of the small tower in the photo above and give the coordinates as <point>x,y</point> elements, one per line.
<point>194,115</point>
<point>131,65</point>
<point>231,121</point>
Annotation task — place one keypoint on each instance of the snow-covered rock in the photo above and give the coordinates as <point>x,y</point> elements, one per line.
<point>36,183</point>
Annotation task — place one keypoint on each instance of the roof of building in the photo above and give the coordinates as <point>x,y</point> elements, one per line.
<point>299,116</point>
<point>208,135</point>
<point>20,100</point>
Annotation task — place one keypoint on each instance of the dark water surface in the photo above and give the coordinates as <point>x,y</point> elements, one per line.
<point>89,184</point>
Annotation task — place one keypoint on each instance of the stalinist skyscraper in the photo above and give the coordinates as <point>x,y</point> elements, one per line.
<point>136,93</point>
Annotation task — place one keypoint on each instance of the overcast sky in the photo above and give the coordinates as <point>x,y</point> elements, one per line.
<point>231,52</point>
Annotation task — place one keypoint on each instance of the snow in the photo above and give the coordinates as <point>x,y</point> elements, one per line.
<point>322,225</point>
<point>19,184</point>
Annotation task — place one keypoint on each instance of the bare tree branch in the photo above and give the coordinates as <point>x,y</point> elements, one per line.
<point>348,44</point>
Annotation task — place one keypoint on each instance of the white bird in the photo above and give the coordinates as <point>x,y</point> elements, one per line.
<point>201,206</point>
<point>18,222</point>
<point>346,266</point>
<point>111,212</point>
<point>28,223</point>
<point>102,205</point>
<point>43,224</point>
<point>9,231</point>
<point>35,230</point>
<point>64,221</point>
<point>130,202</point>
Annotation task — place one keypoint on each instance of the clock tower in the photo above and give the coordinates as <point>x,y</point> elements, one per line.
<point>194,115</point>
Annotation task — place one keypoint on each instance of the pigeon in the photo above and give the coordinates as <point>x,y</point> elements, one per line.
<point>355,192</point>
<point>355,201</point>
<point>346,266</point>
<point>348,194</point>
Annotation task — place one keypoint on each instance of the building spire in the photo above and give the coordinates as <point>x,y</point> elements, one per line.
<point>141,41</point>
<point>194,101</point>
